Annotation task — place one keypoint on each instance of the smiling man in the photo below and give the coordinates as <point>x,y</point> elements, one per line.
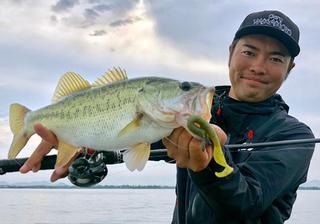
<point>262,187</point>
<point>259,64</point>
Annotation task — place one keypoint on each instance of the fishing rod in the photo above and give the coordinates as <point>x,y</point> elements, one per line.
<point>90,169</point>
<point>87,170</point>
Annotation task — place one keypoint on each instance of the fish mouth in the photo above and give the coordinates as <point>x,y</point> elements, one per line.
<point>209,97</point>
<point>208,103</point>
<point>203,102</point>
<point>197,103</point>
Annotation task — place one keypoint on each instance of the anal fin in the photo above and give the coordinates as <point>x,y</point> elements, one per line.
<point>66,154</point>
<point>137,156</point>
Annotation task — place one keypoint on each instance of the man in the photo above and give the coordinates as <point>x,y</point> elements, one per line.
<point>262,187</point>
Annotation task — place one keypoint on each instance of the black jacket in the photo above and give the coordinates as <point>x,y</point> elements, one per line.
<point>263,185</point>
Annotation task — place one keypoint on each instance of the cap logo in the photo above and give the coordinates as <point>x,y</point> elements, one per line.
<point>273,20</point>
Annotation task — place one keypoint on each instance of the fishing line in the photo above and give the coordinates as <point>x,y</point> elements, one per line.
<point>175,144</point>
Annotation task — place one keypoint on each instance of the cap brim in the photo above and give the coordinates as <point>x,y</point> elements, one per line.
<point>287,41</point>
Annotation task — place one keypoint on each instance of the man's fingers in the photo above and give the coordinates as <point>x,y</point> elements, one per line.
<point>58,173</point>
<point>171,142</point>
<point>183,143</point>
<point>48,141</point>
<point>188,151</point>
<point>221,134</point>
<point>209,150</point>
<point>36,167</point>
<point>61,172</point>
<point>25,168</point>
<point>200,159</point>
<point>172,139</point>
<point>34,161</point>
<point>45,134</point>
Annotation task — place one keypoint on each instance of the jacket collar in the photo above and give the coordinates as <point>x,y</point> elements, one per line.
<point>265,107</point>
<point>236,117</point>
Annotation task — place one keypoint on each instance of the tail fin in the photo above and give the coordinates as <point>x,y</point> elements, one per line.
<point>20,138</point>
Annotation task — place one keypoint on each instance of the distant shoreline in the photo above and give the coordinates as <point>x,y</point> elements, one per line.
<point>92,187</point>
<point>309,188</point>
<point>107,187</point>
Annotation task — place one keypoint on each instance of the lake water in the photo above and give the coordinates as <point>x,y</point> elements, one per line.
<point>112,206</point>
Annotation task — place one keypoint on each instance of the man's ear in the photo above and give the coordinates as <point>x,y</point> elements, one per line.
<point>290,67</point>
<point>231,48</point>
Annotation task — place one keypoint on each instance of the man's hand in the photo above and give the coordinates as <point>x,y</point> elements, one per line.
<point>187,151</point>
<point>49,141</point>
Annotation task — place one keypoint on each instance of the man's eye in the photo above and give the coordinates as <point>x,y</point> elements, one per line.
<point>248,53</point>
<point>277,60</point>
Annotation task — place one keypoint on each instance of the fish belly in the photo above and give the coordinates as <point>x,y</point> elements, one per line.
<point>105,137</point>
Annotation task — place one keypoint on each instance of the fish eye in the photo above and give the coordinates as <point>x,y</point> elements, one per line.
<point>185,86</point>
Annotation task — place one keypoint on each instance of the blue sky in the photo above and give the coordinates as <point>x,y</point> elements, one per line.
<point>41,40</point>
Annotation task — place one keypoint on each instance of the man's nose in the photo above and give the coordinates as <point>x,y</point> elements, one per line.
<point>258,65</point>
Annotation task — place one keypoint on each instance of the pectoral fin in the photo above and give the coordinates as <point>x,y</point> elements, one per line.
<point>132,126</point>
<point>137,157</point>
<point>66,153</point>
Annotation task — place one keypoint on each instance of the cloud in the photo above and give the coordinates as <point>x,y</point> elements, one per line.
<point>124,22</point>
<point>193,31</point>
<point>102,7</point>
<point>64,5</point>
<point>54,19</point>
<point>131,38</point>
<point>90,14</point>
<point>86,13</point>
<point>98,33</point>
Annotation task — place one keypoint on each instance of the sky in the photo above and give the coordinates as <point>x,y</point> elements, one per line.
<point>185,40</point>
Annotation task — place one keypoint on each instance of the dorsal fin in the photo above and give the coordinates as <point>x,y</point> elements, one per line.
<point>69,83</point>
<point>113,75</point>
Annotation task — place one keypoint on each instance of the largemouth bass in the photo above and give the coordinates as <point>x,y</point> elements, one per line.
<point>113,113</point>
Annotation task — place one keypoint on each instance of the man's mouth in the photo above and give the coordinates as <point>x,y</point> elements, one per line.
<point>255,79</point>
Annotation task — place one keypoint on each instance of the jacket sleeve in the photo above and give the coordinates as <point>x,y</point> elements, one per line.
<point>265,175</point>
<point>157,145</point>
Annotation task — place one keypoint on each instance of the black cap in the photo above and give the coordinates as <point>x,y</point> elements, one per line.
<point>272,23</point>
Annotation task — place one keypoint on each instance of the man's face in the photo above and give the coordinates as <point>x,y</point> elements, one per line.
<point>258,66</point>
